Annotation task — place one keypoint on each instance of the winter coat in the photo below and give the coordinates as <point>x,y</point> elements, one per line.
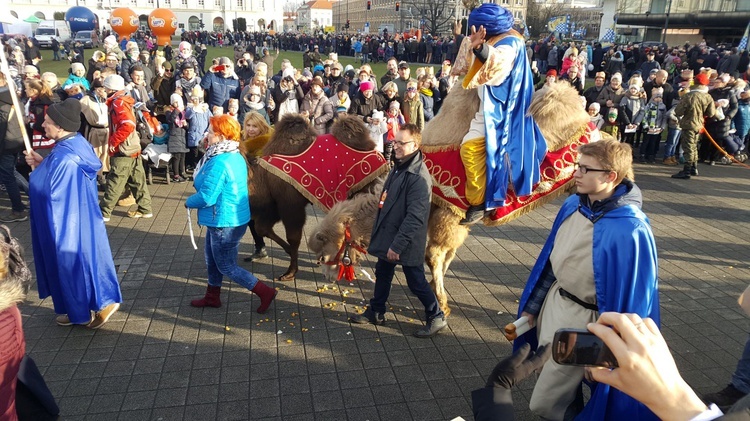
<point>720,128</point>
<point>428,104</point>
<point>177,135</point>
<point>693,108</point>
<point>414,113</point>
<point>197,117</point>
<point>401,223</point>
<point>552,57</point>
<point>121,121</point>
<point>632,110</point>
<point>37,111</point>
<point>280,96</point>
<point>616,65</point>
<point>253,146</point>
<point>220,89</point>
<point>742,118</point>
<point>655,116</point>
<point>319,111</point>
<point>364,107</point>
<point>95,121</point>
<point>221,192</point>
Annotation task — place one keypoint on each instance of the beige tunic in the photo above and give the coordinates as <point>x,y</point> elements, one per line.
<point>572,264</point>
<point>96,114</point>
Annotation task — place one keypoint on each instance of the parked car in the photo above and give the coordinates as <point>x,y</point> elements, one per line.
<point>87,38</point>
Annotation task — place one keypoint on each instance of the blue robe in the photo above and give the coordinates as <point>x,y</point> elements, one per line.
<point>625,272</point>
<point>515,146</point>
<point>72,256</point>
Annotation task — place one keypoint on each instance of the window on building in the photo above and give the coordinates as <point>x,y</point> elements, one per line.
<point>167,3</point>
<point>240,4</point>
<point>506,1</point>
<point>184,3</point>
<point>201,3</point>
<point>519,2</point>
<point>217,3</point>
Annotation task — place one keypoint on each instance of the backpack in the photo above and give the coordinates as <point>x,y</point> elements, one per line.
<point>11,134</point>
<point>145,132</point>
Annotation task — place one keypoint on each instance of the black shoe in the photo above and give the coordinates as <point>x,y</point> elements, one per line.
<point>432,327</point>
<point>473,215</point>
<point>683,175</point>
<point>369,316</point>
<point>693,170</point>
<point>724,398</point>
<point>259,254</point>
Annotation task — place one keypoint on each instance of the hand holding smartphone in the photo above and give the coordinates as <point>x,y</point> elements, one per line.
<point>581,348</point>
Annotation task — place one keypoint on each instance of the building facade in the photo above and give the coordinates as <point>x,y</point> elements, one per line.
<point>679,21</point>
<point>412,14</point>
<point>216,15</point>
<point>314,15</point>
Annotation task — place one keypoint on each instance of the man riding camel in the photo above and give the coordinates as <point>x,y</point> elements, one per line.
<point>504,146</point>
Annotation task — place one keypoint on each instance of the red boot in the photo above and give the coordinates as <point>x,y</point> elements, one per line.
<point>266,294</point>
<point>211,299</point>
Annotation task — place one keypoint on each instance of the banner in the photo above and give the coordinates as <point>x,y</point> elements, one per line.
<point>559,24</point>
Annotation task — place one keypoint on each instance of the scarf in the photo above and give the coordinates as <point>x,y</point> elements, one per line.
<point>225,146</point>
<point>179,119</point>
<point>256,105</point>
<point>425,91</point>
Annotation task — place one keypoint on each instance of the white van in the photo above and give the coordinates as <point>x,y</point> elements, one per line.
<point>49,29</point>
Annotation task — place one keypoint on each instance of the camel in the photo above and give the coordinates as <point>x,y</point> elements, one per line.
<point>274,199</point>
<point>558,112</point>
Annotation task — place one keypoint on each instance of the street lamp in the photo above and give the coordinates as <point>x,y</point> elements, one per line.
<point>666,22</point>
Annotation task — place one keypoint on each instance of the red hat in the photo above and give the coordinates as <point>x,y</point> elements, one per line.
<point>552,72</point>
<point>702,79</point>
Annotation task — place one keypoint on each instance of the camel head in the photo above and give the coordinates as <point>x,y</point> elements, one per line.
<point>461,105</point>
<point>559,114</point>
<point>292,135</point>
<point>326,240</point>
<point>351,131</point>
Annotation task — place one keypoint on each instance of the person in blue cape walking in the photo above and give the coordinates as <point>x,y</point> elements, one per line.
<point>72,255</point>
<point>504,147</point>
<point>599,257</point>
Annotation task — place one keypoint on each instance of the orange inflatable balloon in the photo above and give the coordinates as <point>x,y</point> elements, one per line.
<point>163,24</point>
<point>124,21</point>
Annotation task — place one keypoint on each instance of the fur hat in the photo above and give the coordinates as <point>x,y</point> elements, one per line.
<point>66,114</point>
<point>176,98</point>
<point>702,79</point>
<point>114,82</point>
<point>366,86</point>
<point>77,66</point>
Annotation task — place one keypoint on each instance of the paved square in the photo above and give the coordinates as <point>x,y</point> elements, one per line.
<point>160,359</point>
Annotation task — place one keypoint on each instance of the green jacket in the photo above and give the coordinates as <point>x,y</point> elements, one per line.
<point>694,107</point>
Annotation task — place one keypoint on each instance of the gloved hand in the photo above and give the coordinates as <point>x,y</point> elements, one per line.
<point>518,366</point>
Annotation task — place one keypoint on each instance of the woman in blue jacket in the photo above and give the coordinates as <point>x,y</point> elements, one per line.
<point>223,207</point>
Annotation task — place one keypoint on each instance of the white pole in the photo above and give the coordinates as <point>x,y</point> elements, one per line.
<point>16,104</point>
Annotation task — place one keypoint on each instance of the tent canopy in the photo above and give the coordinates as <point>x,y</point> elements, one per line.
<point>32,19</point>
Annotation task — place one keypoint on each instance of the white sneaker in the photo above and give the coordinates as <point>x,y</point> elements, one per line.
<point>106,218</point>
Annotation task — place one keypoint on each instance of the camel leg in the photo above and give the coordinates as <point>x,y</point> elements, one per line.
<point>436,263</point>
<point>294,222</point>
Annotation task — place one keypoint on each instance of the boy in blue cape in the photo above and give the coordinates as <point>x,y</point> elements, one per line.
<point>599,257</point>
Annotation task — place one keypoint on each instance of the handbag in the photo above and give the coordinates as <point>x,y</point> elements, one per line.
<point>11,136</point>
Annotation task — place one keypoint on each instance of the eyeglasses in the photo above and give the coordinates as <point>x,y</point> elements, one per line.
<point>402,144</point>
<point>584,169</point>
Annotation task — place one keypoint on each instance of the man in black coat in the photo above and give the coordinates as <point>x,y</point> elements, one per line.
<point>399,235</point>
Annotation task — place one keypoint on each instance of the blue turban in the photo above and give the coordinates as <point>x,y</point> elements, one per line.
<point>495,19</point>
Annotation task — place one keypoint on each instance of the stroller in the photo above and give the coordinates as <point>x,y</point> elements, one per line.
<point>735,146</point>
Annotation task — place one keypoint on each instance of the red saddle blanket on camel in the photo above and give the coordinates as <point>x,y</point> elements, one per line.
<point>449,178</point>
<point>327,172</point>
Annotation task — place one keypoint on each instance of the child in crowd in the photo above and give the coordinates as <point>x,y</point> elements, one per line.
<point>413,110</point>
<point>654,123</point>
<point>595,116</point>
<point>217,110</point>
<point>673,132</point>
<point>177,145</point>
<point>197,115</point>
<point>612,126</point>
<point>378,128</point>
<point>77,76</point>
<point>631,113</point>
<point>233,108</point>
<point>394,121</point>
<point>253,101</point>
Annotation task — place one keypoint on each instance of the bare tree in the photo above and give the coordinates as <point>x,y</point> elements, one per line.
<point>291,6</point>
<point>438,15</point>
<point>538,14</point>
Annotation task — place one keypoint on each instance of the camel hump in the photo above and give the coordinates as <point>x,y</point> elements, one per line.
<point>293,135</point>
<point>452,122</point>
<point>558,112</point>
<point>352,132</point>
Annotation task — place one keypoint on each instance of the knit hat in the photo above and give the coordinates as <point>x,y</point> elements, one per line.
<point>288,72</point>
<point>114,82</point>
<point>349,74</point>
<point>395,105</point>
<point>340,109</point>
<point>617,76</point>
<point>66,114</point>
<point>342,87</point>
<point>366,86</point>
<point>612,113</point>
<point>596,106</point>
<point>306,73</point>
<point>377,115</point>
<point>30,69</point>
<point>197,91</point>
<point>77,66</point>
<point>110,40</point>
<point>552,72</point>
<point>176,98</point>
<point>702,79</point>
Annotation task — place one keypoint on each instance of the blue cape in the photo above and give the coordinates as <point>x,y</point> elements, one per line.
<point>515,146</point>
<point>72,256</point>
<point>625,276</point>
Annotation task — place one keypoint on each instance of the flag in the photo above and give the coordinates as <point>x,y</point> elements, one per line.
<point>559,24</point>
<point>609,36</point>
<point>743,42</point>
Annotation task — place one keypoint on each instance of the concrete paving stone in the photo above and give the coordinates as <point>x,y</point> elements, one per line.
<point>356,397</point>
<point>327,401</point>
<point>324,382</point>
<point>320,366</point>
<point>380,376</point>
<point>144,382</point>
<point>369,413</point>
<point>296,404</point>
<point>168,414</point>
<point>385,394</point>
<point>234,410</point>
<point>425,410</point>
<point>138,400</point>
<point>294,385</point>
<point>90,370</point>
<point>454,407</point>
<point>200,412</point>
<point>202,394</point>
<point>394,412</point>
<point>135,415</point>
<point>234,391</point>
<point>170,397</point>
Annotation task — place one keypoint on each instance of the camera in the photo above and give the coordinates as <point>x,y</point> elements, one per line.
<point>220,67</point>
<point>581,348</point>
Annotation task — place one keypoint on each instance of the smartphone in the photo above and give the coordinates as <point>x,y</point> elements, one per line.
<point>582,348</point>
<point>219,67</point>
